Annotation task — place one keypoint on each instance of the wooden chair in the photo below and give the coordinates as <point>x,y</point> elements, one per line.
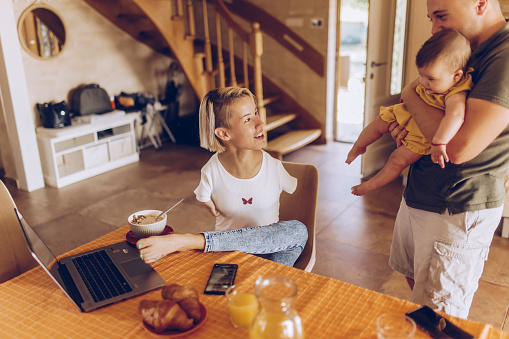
<point>14,255</point>
<point>301,205</point>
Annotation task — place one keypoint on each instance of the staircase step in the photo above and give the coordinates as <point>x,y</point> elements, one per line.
<point>292,141</point>
<point>132,16</point>
<point>276,120</point>
<point>270,99</point>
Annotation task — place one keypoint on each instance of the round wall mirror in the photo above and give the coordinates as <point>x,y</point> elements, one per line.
<point>41,32</point>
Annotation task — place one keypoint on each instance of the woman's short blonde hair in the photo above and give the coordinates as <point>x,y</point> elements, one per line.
<point>215,112</point>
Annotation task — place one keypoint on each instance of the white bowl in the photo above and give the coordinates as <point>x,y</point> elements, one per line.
<point>147,230</point>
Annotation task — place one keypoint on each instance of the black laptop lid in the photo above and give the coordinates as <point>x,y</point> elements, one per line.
<point>46,259</point>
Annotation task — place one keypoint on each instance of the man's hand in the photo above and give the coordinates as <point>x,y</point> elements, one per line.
<point>439,155</point>
<point>398,132</point>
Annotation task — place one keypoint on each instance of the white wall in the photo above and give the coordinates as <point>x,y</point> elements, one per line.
<point>419,30</point>
<point>96,51</point>
<point>17,122</point>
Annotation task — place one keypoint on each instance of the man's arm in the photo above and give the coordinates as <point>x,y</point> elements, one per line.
<point>484,121</point>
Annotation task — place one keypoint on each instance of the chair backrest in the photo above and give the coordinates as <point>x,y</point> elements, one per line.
<point>301,205</point>
<point>14,255</point>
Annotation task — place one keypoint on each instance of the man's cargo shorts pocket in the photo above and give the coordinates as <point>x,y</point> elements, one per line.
<point>454,272</point>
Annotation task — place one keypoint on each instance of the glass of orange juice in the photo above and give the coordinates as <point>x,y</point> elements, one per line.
<point>243,306</point>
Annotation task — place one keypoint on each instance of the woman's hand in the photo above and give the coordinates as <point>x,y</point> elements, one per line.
<point>155,247</point>
<point>212,208</point>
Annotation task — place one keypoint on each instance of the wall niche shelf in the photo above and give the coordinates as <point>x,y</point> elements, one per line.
<point>78,152</point>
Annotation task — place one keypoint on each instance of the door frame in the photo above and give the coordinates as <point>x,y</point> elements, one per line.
<point>415,37</point>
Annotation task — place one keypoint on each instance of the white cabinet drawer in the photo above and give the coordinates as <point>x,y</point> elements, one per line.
<point>96,155</point>
<point>120,148</point>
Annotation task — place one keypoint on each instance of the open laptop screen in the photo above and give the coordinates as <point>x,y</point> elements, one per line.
<point>43,254</point>
<point>37,247</point>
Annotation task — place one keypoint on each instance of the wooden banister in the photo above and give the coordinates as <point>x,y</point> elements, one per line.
<point>191,28</point>
<point>281,33</point>
<point>245,64</point>
<point>220,62</point>
<point>255,41</point>
<point>230,19</point>
<point>250,41</point>
<point>180,9</point>
<point>231,48</point>
<point>208,47</point>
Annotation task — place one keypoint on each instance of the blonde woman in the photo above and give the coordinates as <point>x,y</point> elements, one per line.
<point>240,186</point>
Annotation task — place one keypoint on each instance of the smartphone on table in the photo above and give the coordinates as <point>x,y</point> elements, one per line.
<point>221,277</point>
<point>437,326</point>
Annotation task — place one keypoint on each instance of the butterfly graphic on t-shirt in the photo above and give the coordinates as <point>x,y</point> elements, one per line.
<point>250,201</point>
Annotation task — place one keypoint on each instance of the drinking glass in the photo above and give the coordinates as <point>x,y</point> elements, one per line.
<point>395,326</point>
<point>242,304</point>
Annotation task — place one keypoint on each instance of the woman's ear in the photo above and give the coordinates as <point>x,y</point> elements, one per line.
<point>222,134</point>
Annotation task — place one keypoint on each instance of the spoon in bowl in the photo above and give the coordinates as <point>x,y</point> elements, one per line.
<point>169,209</point>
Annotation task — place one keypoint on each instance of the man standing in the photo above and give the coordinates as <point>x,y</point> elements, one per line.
<point>447,217</point>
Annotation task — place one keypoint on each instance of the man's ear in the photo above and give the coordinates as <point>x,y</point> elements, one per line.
<point>222,133</point>
<point>482,5</point>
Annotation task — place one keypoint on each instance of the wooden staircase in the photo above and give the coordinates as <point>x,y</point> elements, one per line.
<point>171,27</point>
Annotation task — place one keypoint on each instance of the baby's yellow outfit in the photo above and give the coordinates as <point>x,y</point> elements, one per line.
<point>415,140</point>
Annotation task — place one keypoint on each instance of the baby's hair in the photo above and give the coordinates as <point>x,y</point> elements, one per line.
<point>447,46</point>
<point>215,112</point>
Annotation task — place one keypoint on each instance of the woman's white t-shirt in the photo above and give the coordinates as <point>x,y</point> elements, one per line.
<point>245,202</point>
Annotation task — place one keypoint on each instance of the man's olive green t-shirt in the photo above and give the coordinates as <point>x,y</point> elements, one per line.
<point>479,183</point>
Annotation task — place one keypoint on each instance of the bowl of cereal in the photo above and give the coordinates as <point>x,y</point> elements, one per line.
<point>144,224</point>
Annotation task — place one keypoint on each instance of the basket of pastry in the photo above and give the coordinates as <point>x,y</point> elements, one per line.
<point>179,312</point>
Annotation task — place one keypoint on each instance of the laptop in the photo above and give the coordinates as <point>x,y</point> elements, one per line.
<point>98,277</point>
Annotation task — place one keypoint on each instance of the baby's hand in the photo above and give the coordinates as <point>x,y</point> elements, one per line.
<point>212,208</point>
<point>439,155</point>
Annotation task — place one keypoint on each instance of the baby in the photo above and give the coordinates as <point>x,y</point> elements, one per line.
<point>444,83</point>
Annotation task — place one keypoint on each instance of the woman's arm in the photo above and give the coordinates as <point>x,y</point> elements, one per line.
<point>212,208</point>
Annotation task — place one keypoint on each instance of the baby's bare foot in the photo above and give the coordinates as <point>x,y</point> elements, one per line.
<point>362,189</point>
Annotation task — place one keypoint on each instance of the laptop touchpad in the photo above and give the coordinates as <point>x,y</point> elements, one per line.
<point>136,267</point>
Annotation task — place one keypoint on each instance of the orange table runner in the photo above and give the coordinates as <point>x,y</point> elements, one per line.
<point>32,305</point>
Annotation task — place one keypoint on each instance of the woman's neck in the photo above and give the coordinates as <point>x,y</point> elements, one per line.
<point>241,164</point>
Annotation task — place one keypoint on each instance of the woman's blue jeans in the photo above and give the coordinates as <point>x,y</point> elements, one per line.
<point>281,242</point>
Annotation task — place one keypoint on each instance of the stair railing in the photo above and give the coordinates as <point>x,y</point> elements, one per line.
<point>251,42</point>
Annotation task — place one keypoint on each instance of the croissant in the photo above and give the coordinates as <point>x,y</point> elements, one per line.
<point>187,298</point>
<point>164,315</point>
<point>178,292</point>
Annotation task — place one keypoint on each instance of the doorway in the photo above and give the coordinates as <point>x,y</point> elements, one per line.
<point>371,63</point>
<point>352,62</point>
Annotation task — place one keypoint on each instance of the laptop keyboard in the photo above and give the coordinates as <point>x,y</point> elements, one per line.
<point>101,276</point>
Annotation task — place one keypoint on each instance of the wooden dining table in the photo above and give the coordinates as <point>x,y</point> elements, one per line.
<point>33,306</point>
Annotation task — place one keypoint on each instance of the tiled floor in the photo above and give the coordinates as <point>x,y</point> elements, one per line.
<point>353,233</point>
